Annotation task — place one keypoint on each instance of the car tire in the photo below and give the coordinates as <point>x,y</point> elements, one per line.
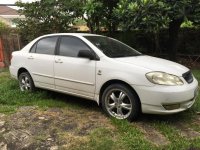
<point>121,102</point>
<point>26,82</point>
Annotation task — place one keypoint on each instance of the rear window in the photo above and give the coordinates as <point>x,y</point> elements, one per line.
<point>46,46</point>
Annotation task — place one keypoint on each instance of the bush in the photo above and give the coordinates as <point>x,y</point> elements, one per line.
<point>144,42</point>
<point>188,41</point>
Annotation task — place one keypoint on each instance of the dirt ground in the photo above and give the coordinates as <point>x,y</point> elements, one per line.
<point>56,128</point>
<point>33,128</point>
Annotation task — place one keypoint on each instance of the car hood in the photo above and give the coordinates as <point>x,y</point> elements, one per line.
<point>155,64</point>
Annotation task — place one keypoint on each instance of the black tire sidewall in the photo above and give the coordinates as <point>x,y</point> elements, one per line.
<point>132,95</point>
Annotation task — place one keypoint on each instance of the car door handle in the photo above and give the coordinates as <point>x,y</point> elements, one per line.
<point>30,57</point>
<point>58,61</point>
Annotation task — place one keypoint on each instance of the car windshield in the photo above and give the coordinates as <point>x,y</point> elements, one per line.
<point>111,47</point>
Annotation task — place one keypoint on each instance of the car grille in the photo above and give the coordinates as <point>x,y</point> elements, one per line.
<point>188,77</point>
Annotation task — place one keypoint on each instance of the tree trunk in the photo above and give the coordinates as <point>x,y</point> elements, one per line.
<point>97,30</point>
<point>113,27</point>
<point>109,29</point>
<point>174,28</point>
<point>89,24</point>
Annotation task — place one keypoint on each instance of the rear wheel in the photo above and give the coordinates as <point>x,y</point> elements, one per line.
<point>120,102</point>
<point>26,82</point>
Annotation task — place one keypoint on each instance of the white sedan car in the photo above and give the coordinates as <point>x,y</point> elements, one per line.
<point>120,79</point>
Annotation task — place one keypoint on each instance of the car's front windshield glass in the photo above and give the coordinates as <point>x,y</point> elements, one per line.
<point>111,47</point>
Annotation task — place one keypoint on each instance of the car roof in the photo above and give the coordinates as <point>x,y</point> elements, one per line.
<point>73,34</point>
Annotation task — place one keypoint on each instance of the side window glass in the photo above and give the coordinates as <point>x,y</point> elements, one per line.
<point>70,46</point>
<point>46,45</point>
<point>33,48</point>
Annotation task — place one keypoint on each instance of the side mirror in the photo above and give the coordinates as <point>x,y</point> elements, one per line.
<point>86,54</point>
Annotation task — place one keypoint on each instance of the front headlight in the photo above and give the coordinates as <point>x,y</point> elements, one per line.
<point>163,78</point>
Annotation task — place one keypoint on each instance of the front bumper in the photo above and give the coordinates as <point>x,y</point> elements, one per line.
<point>154,99</point>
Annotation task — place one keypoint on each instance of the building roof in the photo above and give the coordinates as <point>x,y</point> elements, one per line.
<point>4,10</point>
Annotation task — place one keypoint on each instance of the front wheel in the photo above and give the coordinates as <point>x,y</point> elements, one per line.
<point>26,82</point>
<point>120,102</point>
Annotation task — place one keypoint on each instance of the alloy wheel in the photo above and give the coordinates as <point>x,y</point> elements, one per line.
<point>118,104</point>
<point>25,83</point>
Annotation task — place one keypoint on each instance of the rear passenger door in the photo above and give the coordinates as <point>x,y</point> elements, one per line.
<point>73,74</point>
<point>40,61</point>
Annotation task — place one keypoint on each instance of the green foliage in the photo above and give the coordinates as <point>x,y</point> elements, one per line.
<point>154,15</point>
<point>144,42</point>
<point>187,9</point>
<point>46,16</point>
<point>141,15</point>
<point>79,21</point>
<point>100,13</point>
<point>92,8</point>
<point>51,16</point>
<point>3,28</point>
<point>92,13</point>
<point>187,24</point>
<point>2,25</point>
<point>110,20</point>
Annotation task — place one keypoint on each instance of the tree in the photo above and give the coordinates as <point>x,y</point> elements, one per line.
<point>141,15</point>
<point>46,16</point>
<point>3,27</point>
<point>152,15</point>
<point>110,20</point>
<point>100,13</point>
<point>92,14</point>
<point>49,16</point>
<point>180,11</point>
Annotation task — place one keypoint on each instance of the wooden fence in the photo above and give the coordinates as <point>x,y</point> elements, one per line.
<point>8,44</point>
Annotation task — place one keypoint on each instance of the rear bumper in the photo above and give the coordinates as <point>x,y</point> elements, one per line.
<point>13,72</point>
<point>153,99</point>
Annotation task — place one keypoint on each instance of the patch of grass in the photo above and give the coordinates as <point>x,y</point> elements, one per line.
<point>99,139</point>
<point>124,136</point>
<point>196,127</point>
<point>11,97</point>
<point>4,70</point>
<point>7,109</point>
<point>196,106</point>
<point>173,134</point>
<point>196,74</point>
<point>130,137</point>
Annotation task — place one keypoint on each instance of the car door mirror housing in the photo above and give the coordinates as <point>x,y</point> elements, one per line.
<point>86,54</point>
